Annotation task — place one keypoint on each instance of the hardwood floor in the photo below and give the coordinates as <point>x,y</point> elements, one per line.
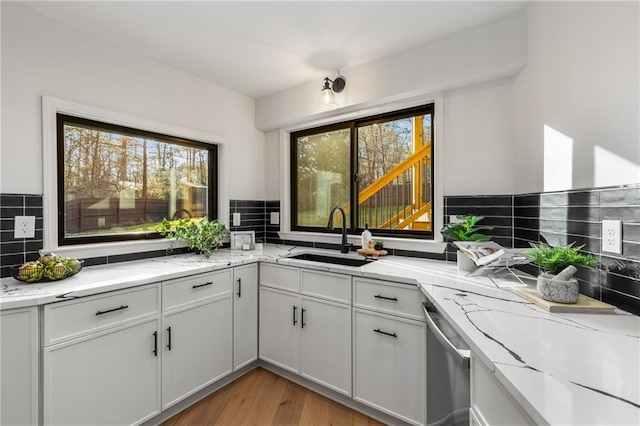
<point>263,398</point>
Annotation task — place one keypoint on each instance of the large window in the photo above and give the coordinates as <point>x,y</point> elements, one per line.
<point>117,183</point>
<point>378,169</point>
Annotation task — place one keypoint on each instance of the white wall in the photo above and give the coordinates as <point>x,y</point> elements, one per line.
<point>582,81</point>
<point>482,53</point>
<point>273,168</point>
<point>43,57</point>
<point>479,135</point>
<point>578,73</point>
<point>470,70</point>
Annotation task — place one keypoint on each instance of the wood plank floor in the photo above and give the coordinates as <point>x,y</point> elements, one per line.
<point>263,398</point>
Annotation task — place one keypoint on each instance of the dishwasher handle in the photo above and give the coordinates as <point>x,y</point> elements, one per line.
<point>461,355</point>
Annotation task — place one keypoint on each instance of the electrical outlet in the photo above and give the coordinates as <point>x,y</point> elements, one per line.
<point>612,236</point>
<point>24,227</point>
<point>236,219</point>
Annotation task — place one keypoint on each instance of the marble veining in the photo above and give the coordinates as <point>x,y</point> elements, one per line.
<point>562,368</point>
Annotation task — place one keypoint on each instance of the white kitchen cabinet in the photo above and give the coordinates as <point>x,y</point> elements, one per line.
<point>279,328</point>
<point>491,403</point>
<point>19,366</point>
<point>197,339</point>
<point>310,336</point>
<point>389,364</point>
<point>107,378</point>
<point>245,315</point>
<point>325,329</point>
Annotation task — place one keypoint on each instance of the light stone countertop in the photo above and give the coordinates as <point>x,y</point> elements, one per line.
<point>564,369</point>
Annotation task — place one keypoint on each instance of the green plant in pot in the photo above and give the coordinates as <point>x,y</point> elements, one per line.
<point>466,228</point>
<point>559,263</point>
<point>201,235</point>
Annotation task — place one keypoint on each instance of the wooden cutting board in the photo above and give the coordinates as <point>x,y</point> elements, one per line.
<point>371,252</point>
<point>585,304</point>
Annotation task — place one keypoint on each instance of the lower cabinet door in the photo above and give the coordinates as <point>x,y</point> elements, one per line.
<point>19,356</point>
<point>111,378</point>
<point>326,343</point>
<point>196,349</point>
<point>245,315</point>
<point>280,328</point>
<point>390,365</point>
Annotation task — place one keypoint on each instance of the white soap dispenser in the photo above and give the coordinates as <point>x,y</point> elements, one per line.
<point>366,236</point>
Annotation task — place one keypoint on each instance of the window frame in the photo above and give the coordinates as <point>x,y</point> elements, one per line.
<point>62,119</point>
<point>353,125</point>
<point>50,107</point>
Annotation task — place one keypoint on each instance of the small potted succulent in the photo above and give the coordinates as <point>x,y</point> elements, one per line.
<point>201,235</point>
<point>556,283</point>
<point>466,228</point>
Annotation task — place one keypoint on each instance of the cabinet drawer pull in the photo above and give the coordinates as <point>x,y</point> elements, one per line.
<point>377,296</point>
<point>155,343</point>
<point>302,317</point>
<point>112,310</point>
<point>202,285</point>
<point>239,287</point>
<point>377,330</point>
<point>295,321</point>
<point>169,338</point>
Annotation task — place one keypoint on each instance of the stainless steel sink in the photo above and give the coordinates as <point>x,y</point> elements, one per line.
<point>337,260</point>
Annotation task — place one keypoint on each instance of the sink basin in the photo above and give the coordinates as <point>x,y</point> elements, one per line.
<point>347,261</point>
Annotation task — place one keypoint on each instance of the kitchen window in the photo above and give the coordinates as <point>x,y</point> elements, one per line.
<point>378,169</point>
<point>117,183</point>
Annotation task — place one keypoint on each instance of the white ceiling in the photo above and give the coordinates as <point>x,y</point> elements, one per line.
<point>261,47</point>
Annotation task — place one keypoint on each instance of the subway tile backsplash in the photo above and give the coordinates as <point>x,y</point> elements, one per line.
<point>255,215</point>
<point>565,217</point>
<point>16,251</point>
<point>518,220</point>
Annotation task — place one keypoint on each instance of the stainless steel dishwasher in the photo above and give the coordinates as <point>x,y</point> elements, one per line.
<point>448,374</point>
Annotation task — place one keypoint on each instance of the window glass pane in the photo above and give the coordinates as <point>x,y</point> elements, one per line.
<point>394,174</point>
<point>119,183</point>
<point>323,170</point>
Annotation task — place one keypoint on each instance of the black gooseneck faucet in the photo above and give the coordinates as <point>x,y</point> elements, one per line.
<point>344,246</point>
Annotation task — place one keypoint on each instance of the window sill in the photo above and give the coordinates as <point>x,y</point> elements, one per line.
<point>425,246</point>
<point>85,251</point>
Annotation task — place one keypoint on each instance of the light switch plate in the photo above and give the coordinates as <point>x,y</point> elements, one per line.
<point>236,219</point>
<point>612,236</point>
<point>274,218</point>
<point>24,227</point>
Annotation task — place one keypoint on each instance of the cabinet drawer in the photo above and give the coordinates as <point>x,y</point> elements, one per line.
<point>388,297</point>
<point>75,318</point>
<point>183,291</point>
<point>283,277</point>
<point>329,286</point>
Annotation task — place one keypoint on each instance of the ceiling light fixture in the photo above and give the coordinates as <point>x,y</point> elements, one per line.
<point>327,99</point>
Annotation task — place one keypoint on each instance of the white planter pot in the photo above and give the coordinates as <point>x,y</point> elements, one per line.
<point>557,291</point>
<point>465,264</point>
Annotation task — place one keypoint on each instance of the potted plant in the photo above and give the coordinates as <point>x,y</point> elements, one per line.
<point>201,235</point>
<point>559,263</point>
<point>466,228</point>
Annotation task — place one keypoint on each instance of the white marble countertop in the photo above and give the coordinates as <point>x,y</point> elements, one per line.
<point>564,369</point>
